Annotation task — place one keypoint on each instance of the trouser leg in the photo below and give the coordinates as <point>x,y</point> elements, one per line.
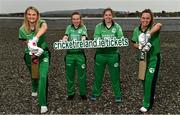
<point>43,79</point>
<point>150,81</point>
<point>114,69</point>
<point>81,67</point>
<point>70,74</point>
<point>34,82</point>
<point>99,69</point>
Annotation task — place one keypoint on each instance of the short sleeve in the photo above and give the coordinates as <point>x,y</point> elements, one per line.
<point>41,22</point>
<point>135,36</point>
<point>67,31</point>
<point>119,31</point>
<point>97,33</point>
<point>84,31</point>
<point>22,35</point>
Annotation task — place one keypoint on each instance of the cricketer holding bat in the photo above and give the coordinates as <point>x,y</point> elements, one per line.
<point>32,32</point>
<point>75,58</point>
<point>146,38</point>
<point>107,29</point>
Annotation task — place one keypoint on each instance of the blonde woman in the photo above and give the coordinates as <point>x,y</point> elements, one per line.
<point>32,32</point>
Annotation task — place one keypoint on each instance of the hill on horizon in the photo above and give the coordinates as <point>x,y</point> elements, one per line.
<point>84,12</point>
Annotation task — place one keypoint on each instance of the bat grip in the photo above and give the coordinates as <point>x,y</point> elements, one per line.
<point>142,55</point>
<point>34,59</point>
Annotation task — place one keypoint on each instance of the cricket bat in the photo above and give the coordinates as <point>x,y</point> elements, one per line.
<point>142,65</point>
<point>34,67</point>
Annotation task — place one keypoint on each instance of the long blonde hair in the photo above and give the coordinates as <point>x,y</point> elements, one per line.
<point>26,23</point>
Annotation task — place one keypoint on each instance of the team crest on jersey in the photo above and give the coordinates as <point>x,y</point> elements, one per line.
<point>80,31</point>
<point>151,70</point>
<point>83,66</point>
<point>114,30</point>
<point>45,60</point>
<point>116,64</point>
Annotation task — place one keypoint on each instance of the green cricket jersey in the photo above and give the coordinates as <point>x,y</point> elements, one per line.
<point>103,32</point>
<point>75,34</point>
<point>154,40</point>
<point>24,35</point>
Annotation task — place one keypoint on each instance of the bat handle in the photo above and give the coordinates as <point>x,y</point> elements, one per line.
<point>35,59</point>
<point>142,55</point>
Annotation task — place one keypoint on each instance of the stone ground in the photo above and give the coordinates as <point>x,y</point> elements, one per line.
<point>15,83</point>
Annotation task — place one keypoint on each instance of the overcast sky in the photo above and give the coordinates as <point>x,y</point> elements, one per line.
<point>12,6</point>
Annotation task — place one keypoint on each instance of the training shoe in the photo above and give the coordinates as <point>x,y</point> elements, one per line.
<point>93,98</point>
<point>83,97</point>
<point>34,94</point>
<point>70,97</point>
<point>117,99</point>
<point>44,109</point>
<point>143,110</point>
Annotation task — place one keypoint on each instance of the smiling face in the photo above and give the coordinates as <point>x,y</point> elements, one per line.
<point>145,19</point>
<point>76,20</point>
<point>32,16</point>
<point>108,16</point>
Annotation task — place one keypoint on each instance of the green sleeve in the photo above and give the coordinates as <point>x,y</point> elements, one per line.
<point>157,32</point>
<point>135,36</point>
<point>97,33</point>
<point>67,32</point>
<point>84,33</point>
<point>41,22</point>
<point>22,35</point>
<point>119,32</point>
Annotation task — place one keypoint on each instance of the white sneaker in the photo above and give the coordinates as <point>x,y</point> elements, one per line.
<point>44,109</point>
<point>143,109</point>
<point>34,94</point>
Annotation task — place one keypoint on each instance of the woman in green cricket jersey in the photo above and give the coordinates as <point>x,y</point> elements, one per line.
<point>32,32</point>
<point>107,29</point>
<point>146,37</point>
<point>75,57</point>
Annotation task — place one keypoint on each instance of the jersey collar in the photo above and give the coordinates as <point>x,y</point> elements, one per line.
<point>74,27</point>
<point>149,27</point>
<point>106,26</point>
